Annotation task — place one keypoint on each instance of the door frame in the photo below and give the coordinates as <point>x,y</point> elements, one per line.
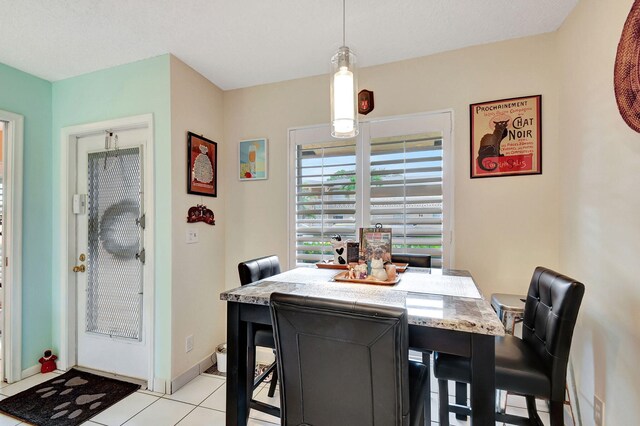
<point>68,138</point>
<point>12,248</point>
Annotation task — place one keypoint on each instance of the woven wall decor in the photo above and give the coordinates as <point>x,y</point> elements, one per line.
<point>626,74</point>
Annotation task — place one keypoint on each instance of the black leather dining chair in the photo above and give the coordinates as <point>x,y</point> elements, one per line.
<point>345,363</point>
<point>536,365</point>
<point>417,260</point>
<point>251,271</point>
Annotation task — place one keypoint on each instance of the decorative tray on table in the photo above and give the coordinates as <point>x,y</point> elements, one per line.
<point>400,267</point>
<point>344,277</point>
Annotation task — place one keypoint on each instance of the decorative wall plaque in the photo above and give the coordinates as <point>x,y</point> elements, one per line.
<point>202,165</point>
<point>200,213</point>
<point>365,102</point>
<point>626,74</point>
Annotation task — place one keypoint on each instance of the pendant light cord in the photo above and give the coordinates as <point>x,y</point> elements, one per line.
<point>343,23</point>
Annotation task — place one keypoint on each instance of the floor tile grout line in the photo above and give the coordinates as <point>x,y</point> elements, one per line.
<point>146,406</point>
<point>176,400</point>
<point>183,417</point>
<point>139,412</point>
<point>189,403</point>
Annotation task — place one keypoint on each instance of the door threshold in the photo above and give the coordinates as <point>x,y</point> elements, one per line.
<point>142,383</point>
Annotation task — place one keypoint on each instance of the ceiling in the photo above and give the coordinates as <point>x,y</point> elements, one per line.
<point>249,42</point>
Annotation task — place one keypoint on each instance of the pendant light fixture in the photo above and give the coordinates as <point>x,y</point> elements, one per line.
<point>344,89</point>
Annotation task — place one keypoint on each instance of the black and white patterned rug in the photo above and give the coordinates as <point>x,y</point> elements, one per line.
<point>67,400</point>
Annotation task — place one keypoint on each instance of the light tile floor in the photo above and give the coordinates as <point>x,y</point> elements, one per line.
<point>202,403</point>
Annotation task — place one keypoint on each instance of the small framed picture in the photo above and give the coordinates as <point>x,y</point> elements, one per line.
<point>506,137</point>
<point>252,159</point>
<point>375,243</point>
<point>202,166</point>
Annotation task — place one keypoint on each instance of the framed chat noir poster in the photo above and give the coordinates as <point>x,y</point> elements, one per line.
<point>506,137</point>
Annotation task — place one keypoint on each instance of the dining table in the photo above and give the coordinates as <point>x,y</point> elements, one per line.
<point>446,313</point>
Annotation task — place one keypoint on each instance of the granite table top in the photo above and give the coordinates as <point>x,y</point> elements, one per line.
<point>440,310</point>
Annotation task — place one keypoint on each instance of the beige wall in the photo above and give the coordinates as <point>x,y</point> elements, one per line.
<point>600,239</point>
<point>198,269</point>
<point>504,227</point>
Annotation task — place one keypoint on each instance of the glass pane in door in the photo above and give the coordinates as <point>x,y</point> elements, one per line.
<point>114,270</point>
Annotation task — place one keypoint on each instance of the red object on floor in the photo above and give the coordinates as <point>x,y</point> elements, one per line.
<point>48,362</point>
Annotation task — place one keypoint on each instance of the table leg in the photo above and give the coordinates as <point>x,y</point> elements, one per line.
<point>426,360</point>
<point>461,398</point>
<point>483,380</point>
<point>237,403</point>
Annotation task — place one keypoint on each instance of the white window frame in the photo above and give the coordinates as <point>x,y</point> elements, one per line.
<point>441,121</point>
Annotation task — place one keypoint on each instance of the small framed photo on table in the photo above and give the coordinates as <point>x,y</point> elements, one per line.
<point>252,159</point>
<point>375,243</point>
<point>202,166</point>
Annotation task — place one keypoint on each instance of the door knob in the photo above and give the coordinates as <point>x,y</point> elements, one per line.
<point>80,268</point>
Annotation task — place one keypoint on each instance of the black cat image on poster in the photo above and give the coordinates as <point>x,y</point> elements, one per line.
<point>490,145</point>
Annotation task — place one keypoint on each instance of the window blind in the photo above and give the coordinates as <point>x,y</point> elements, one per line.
<point>396,172</point>
<point>325,197</point>
<point>406,194</point>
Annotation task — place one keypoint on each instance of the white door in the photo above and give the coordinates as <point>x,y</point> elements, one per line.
<point>110,254</point>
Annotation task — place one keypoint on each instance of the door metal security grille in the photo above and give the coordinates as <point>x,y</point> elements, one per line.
<point>115,246</point>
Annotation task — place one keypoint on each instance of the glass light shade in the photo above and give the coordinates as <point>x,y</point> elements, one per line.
<point>344,92</point>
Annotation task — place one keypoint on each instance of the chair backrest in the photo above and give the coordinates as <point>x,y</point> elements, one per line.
<point>258,269</point>
<point>417,260</point>
<point>550,315</point>
<point>340,363</point>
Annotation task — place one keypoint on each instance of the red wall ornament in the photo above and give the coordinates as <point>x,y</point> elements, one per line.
<point>200,213</point>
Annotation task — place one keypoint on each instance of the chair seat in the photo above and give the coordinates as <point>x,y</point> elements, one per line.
<point>518,368</point>
<point>263,336</point>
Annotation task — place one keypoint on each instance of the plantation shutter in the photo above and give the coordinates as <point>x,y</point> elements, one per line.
<point>325,196</point>
<point>398,172</point>
<point>406,178</point>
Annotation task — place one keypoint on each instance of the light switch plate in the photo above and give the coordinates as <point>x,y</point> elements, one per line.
<point>189,343</point>
<point>192,236</point>
<point>598,411</point>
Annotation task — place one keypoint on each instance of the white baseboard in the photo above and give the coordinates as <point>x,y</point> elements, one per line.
<point>31,371</point>
<point>206,363</point>
<point>191,373</point>
<point>184,378</point>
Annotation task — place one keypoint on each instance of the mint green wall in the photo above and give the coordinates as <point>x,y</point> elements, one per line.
<point>30,96</point>
<point>132,89</point>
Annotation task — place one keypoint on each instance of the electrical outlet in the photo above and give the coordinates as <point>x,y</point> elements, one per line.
<point>192,236</point>
<point>189,343</point>
<point>598,411</point>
